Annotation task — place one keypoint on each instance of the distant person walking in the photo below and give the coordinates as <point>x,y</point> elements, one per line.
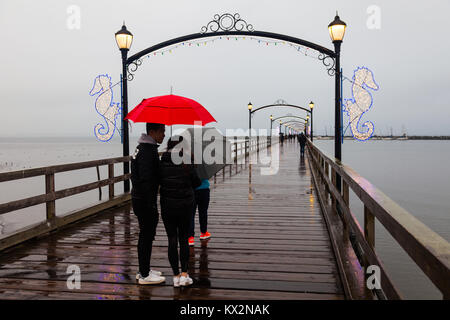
<point>202,202</point>
<point>177,202</point>
<point>144,178</point>
<point>302,141</point>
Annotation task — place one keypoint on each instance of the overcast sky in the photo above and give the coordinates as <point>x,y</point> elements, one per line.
<point>48,65</point>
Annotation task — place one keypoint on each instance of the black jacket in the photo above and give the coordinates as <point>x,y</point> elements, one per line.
<point>177,183</point>
<point>144,173</point>
<point>302,139</point>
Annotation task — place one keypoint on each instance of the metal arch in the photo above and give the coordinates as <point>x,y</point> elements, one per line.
<point>289,117</point>
<point>293,121</point>
<point>263,34</point>
<point>281,105</point>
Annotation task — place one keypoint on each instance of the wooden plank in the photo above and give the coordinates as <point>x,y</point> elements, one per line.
<point>36,287</point>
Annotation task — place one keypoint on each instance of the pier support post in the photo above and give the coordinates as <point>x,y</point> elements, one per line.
<point>369,227</point>
<point>50,188</point>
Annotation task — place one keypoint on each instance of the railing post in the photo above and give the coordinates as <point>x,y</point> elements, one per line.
<point>327,174</point>
<point>257,145</point>
<point>369,227</point>
<point>111,176</point>
<point>346,197</point>
<point>333,181</point>
<point>236,156</point>
<point>50,189</point>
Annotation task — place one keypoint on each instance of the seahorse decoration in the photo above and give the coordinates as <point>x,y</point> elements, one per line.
<point>105,107</point>
<point>361,103</point>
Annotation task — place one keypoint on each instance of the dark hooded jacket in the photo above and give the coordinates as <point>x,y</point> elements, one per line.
<point>301,139</point>
<point>178,182</point>
<point>144,171</point>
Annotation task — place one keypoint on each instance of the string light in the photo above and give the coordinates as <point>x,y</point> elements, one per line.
<point>354,113</point>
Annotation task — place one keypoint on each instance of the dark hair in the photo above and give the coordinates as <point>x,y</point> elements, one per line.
<point>154,127</point>
<point>173,141</point>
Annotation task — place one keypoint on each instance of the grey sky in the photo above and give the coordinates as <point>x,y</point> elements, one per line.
<point>48,69</point>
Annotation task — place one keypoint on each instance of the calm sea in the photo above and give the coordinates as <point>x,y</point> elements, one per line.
<point>412,173</point>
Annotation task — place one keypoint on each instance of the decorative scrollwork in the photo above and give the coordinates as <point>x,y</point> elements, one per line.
<point>281,102</point>
<point>328,62</point>
<point>227,22</point>
<point>132,68</point>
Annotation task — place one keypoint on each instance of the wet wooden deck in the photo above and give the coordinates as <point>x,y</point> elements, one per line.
<point>275,246</point>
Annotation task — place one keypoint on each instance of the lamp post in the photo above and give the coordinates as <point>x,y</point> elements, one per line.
<point>311,107</point>
<point>249,106</point>
<point>271,120</point>
<point>337,30</point>
<point>124,38</point>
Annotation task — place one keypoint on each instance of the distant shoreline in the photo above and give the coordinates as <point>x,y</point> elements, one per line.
<point>93,139</point>
<point>390,138</point>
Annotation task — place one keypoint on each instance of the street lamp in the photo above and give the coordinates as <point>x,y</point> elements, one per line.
<point>311,107</point>
<point>337,30</point>
<point>271,120</point>
<point>124,38</point>
<point>250,106</point>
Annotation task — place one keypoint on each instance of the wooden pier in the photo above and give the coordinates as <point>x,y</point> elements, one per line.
<point>281,241</point>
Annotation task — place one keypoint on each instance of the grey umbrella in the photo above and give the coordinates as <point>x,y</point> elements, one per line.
<point>212,150</point>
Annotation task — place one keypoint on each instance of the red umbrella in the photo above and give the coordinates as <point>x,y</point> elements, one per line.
<point>169,110</point>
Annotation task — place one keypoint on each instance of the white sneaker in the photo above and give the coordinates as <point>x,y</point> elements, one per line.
<point>156,272</point>
<point>185,281</point>
<point>176,282</point>
<point>152,279</point>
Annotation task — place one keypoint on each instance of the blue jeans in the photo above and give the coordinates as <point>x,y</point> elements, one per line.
<point>202,202</point>
<point>302,150</point>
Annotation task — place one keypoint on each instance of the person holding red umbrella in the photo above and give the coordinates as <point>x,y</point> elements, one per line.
<point>144,178</point>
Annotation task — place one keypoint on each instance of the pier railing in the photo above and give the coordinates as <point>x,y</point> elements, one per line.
<point>52,221</point>
<point>242,147</point>
<point>429,251</point>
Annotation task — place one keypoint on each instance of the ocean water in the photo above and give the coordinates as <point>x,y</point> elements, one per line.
<point>412,173</point>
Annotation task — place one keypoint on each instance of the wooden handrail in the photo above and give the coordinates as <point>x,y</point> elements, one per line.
<point>426,248</point>
<point>51,195</point>
<point>28,173</point>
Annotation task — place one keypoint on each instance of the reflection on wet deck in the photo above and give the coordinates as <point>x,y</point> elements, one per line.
<point>275,246</point>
